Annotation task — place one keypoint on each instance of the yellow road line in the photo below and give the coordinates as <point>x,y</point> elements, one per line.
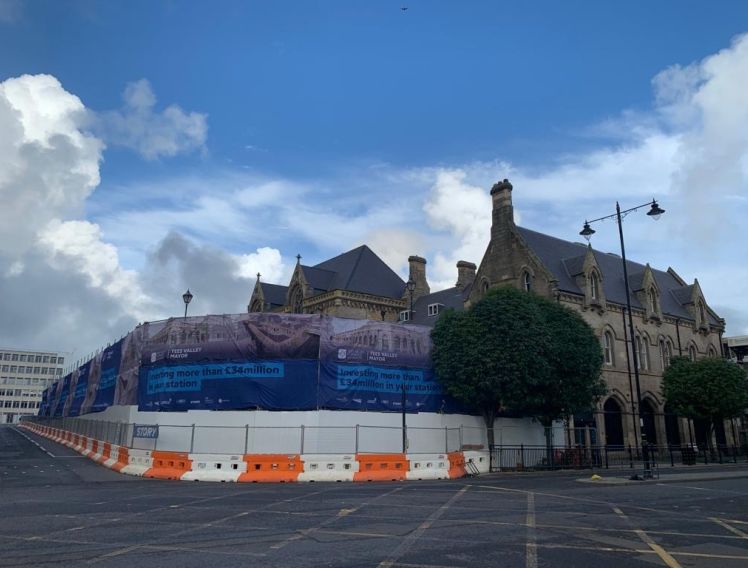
<point>661,552</point>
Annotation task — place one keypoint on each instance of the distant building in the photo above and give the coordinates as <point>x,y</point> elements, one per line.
<point>23,377</point>
<point>736,349</point>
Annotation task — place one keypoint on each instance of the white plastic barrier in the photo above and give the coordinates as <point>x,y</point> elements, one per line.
<point>428,466</point>
<point>215,467</point>
<point>480,459</point>
<point>328,467</point>
<point>140,461</point>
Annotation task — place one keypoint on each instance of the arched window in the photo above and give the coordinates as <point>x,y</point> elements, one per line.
<point>526,281</point>
<point>297,299</point>
<point>594,286</point>
<point>702,313</point>
<point>643,352</point>
<point>692,353</point>
<point>711,352</point>
<point>666,352</point>
<point>608,348</point>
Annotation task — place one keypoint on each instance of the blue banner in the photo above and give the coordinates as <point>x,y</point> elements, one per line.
<point>78,386</point>
<point>268,385</point>
<point>63,396</point>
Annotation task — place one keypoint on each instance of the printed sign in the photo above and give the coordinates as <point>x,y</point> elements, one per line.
<point>145,431</point>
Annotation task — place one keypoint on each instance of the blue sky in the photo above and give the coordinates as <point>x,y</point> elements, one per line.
<point>250,131</point>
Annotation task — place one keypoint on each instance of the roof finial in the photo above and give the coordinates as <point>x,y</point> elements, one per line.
<point>258,276</point>
<point>298,259</point>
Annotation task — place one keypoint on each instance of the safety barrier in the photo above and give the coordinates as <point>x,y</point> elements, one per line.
<point>265,468</point>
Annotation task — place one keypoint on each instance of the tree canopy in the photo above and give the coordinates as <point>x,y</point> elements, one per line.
<point>709,389</point>
<point>517,352</point>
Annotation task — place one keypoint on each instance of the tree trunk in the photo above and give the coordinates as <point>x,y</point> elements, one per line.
<point>547,424</point>
<point>489,416</point>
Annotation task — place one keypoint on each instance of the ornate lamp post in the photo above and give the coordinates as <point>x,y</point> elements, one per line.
<point>187,297</point>
<point>655,212</point>
<point>411,286</point>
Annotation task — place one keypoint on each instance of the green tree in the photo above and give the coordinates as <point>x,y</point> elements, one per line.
<point>709,389</point>
<point>515,351</point>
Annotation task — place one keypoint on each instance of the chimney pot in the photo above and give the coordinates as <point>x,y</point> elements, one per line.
<point>465,273</point>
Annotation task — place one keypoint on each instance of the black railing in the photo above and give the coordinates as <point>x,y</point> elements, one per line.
<point>534,458</point>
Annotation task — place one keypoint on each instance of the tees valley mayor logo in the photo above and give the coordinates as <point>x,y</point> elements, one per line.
<point>342,353</point>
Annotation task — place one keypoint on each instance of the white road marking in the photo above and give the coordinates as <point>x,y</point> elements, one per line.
<point>531,549</point>
<point>416,534</point>
<point>733,530</point>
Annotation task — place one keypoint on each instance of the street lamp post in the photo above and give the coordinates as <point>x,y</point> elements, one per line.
<point>187,297</point>
<point>655,212</point>
<point>411,286</point>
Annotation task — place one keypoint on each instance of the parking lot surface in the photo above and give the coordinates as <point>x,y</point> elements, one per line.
<point>58,508</point>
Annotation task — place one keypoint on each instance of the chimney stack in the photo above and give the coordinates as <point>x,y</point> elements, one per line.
<point>503,211</point>
<point>417,273</point>
<point>465,274</point>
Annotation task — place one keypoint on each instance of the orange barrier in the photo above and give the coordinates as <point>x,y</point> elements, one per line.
<point>381,467</point>
<point>123,458</point>
<point>278,468</point>
<point>456,465</point>
<point>169,465</point>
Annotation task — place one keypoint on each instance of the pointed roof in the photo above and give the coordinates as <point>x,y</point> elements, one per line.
<point>274,294</point>
<point>358,270</point>
<point>562,257</point>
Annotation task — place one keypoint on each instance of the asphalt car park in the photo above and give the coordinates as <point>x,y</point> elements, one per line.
<point>58,508</point>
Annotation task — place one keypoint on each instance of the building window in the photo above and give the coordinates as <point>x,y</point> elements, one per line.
<point>711,352</point>
<point>692,353</point>
<point>594,286</point>
<point>60,360</point>
<point>405,315</point>
<point>434,309</point>
<point>608,348</point>
<point>652,294</point>
<point>643,352</point>
<point>23,358</point>
<point>484,287</point>
<point>666,353</point>
<point>526,281</point>
<point>38,359</point>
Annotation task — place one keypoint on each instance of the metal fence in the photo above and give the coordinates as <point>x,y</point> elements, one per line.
<point>529,458</point>
<point>247,439</point>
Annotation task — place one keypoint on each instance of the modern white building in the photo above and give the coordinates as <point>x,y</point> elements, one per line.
<point>23,376</point>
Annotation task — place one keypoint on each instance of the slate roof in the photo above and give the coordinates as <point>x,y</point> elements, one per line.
<point>449,298</point>
<point>275,295</point>
<point>561,258</point>
<point>358,270</point>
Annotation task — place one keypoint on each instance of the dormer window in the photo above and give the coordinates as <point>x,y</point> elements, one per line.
<point>594,286</point>
<point>434,309</point>
<point>652,295</point>
<point>526,281</point>
<point>405,315</point>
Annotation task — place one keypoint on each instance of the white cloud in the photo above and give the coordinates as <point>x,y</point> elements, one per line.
<point>267,261</point>
<point>48,164</point>
<point>152,134</point>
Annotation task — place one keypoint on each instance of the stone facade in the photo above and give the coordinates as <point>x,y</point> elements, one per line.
<point>670,316</point>
<point>531,261</point>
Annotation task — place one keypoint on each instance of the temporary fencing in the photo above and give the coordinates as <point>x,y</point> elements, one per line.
<point>271,454</point>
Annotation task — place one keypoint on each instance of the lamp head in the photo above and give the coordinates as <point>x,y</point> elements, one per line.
<point>187,297</point>
<point>655,211</point>
<point>587,231</point>
<point>411,285</point>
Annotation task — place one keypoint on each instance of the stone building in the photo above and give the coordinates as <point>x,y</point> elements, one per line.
<point>671,316</point>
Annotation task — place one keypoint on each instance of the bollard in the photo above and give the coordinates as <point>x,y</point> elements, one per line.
<point>246,438</point>
<point>631,458</point>
<point>192,439</point>
<point>302,439</point>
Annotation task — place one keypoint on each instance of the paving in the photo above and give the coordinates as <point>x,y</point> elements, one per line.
<point>57,508</point>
